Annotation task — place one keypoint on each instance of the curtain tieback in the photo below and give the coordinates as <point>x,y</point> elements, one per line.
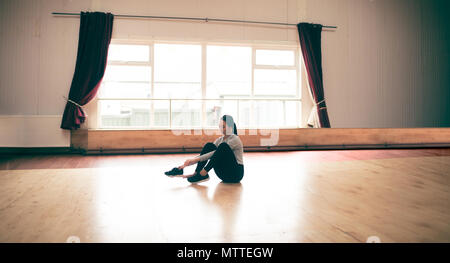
<point>318,103</point>
<point>71,101</point>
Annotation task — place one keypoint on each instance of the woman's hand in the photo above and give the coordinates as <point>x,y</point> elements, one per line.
<point>188,162</point>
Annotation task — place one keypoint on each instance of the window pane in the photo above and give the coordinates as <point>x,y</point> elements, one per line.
<point>125,113</point>
<point>137,53</point>
<point>177,71</point>
<point>186,113</point>
<point>178,63</point>
<point>177,90</point>
<point>127,73</point>
<point>215,109</point>
<point>244,113</point>
<point>275,82</point>
<point>161,113</point>
<point>275,57</point>
<point>268,114</point>
<point>125,90</point>
<point>228,71</point>
<point>292,113</point>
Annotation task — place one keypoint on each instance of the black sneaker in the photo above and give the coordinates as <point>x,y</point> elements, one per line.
<point>174,172</point>
<point>197,178</point>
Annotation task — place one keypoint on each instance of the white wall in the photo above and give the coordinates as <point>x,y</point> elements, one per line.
<point>32,131</point>
<point>386,65</point>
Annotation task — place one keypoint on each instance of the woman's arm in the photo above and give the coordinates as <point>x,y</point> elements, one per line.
<point>204,157</point>
<point>189,162</point>
<point>200,158</point>
<point>235,143</point>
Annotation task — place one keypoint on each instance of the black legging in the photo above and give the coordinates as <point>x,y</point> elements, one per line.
<point>223,161</point>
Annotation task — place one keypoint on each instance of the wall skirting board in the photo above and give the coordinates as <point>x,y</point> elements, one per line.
<point>163,141</point>
<point>37,150</point>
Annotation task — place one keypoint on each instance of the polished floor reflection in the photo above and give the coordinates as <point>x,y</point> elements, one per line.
<point>321,196</point>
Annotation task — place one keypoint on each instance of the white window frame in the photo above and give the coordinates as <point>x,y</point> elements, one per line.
<point>203,44</point>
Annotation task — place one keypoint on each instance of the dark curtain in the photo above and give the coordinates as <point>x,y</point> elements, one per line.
<point>93,43</point>
<point>310,43</point>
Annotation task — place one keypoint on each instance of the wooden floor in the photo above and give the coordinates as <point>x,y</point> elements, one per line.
<point>303,196</point>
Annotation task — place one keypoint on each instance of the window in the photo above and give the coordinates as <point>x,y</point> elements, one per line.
<point>166,85</point>
<point>127,76</point>
<point>275,75</point>
<point>275,57</point>
<point>275,82</point>
<point>229,71</point>
<point>124,53</point>
<point>178,71</point>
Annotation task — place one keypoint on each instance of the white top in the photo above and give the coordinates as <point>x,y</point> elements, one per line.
<point>235,144</point>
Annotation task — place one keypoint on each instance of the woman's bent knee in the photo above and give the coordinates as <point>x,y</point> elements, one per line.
<point>208,147</point>
<point>224,145</point>
<point>209,144</point>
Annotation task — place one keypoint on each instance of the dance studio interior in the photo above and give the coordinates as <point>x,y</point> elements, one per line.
<point>113,130</point>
